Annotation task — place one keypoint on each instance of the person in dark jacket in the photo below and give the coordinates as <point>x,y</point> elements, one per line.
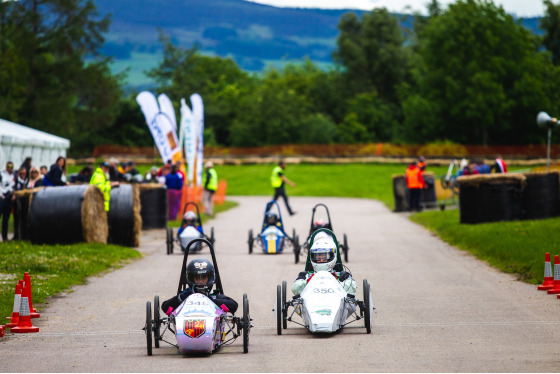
<point>54,176</point>
<point>200,279</point>
<point>27,165</point>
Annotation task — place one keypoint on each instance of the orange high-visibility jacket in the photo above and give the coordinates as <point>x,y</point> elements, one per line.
<point>414,178</point>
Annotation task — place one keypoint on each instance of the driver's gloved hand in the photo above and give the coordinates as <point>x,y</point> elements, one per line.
<point>350,286</point>
<point>298,286</point>
<point>186,293</point>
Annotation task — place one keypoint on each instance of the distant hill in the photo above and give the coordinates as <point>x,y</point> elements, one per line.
<point>254,35</point>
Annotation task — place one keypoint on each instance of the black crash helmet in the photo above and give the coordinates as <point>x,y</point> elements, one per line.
<point>271,218</point>
<point>200,266</point>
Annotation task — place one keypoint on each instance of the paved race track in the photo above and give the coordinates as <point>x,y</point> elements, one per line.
<point>438,309</point>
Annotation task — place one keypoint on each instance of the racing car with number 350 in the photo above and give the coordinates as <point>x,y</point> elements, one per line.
<point>323,306</point>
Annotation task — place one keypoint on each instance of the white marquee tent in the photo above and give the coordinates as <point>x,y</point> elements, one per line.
<point>18,142</point>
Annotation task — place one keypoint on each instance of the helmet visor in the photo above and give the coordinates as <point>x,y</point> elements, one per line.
<point>322,255</point>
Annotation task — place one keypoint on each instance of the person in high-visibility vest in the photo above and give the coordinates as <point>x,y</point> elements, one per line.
<point>210,183</point>
<point>277,180</point>
<point>415,183</point>
<point>100,178</point>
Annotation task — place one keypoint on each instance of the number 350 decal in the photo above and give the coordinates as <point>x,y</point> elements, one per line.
<point>323,290</point>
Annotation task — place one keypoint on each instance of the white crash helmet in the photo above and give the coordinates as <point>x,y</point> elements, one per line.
<point>190,217</point>
<point>323,253</point>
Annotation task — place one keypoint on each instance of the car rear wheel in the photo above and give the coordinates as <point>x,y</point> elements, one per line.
<point>250,241</point>
<point>367,307</point>
<point>285,310</point>
<point>278,310</point>
<point>157,321</point>
<point>149,327</point>
<point>246,324</point>
<point>345,241</point>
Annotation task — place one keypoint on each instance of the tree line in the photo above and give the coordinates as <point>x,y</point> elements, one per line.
<point>470,74</point>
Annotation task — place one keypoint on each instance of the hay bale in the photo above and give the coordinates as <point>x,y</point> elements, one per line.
<point>94,217</point>
<point>124,215</point>
<point>541,196</point>
<point>491,197</point>
<point>71,214</point>
<point>21,213</point>
<point>153,206</point>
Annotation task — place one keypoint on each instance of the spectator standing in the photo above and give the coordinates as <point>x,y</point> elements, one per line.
<point>151,176</point>
<point>35,178</point>
<point>100,178</point>
<point>27,165</point>
<point>20,184</point>
<point>84,176</point>
<point>415,184</point>
<point>499,165</point>
<point>114,174</point>
<point>54,176</point>
<point>7,183</point>
<point>174,183</point>
<point>278,181</point>
<point>210,183</point>
<point>422,164</point>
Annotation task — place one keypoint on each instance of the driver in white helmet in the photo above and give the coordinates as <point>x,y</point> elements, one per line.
<point>323,257</point>
<point>189,219</point>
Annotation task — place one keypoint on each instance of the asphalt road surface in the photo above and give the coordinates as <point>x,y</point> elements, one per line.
<point>437,308</point>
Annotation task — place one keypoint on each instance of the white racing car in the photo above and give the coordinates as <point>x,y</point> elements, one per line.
<point>323,305</point>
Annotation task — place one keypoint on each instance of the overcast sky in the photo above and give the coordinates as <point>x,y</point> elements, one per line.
<point>521,8</point>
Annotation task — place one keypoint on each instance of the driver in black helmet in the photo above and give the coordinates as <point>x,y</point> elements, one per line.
<point>271,219</point>
<point>200,278</point>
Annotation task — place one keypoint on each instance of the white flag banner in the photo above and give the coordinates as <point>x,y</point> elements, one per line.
<point>160,126</point>
<point>198,114</point>
<point>166,107</point>
<point>187,138</point>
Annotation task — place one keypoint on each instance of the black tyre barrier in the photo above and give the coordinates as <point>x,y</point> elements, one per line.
<point>153,202</point>
<point>541,197</point>
<point>491,198</point>
<point>400,193</point>
<point>124,216</point>
<point>63,215</point>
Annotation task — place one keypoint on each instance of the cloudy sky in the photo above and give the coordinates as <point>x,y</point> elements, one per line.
<point>521,8</point>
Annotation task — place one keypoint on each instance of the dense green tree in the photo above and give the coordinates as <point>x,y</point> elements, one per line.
<point>550,23</point>
<point>371,51</point>
<point>481,79</point>
<point>46,44</point>
<point>219,81</point>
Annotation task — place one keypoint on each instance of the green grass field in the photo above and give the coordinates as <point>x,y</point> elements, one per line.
<point>54,268</point>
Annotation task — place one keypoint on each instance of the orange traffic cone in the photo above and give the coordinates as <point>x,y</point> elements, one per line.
<point>548,282</point>
<point>15,312</point>
<point>24,324</point>
<point>26,292</point>
<point>556,288</point>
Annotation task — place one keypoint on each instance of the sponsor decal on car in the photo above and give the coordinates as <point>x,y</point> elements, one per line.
<point>195,327</point>
<point>324,312</point>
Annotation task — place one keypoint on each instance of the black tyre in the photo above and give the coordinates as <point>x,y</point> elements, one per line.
<point>278,310</point>
<point>246,323</point>
<point>157,321</point>
<point>297,250</point>
<point>250,241</point>
<point>345,241</point>
<point>212,240</point>
<point>167,240</point>
<point>367,306</point>
<point>294,237</point>
<point>149,327</point>
<point>284,310</point>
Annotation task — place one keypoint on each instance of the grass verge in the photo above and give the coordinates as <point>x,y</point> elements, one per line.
<point>54,268</point>
<point>515,247</point>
